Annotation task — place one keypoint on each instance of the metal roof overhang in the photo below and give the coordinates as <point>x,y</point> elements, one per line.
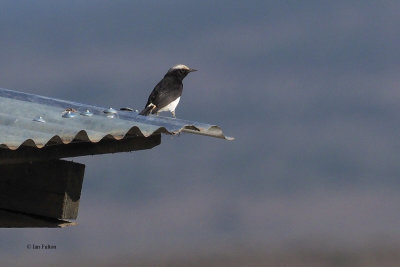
<point>35,127</point>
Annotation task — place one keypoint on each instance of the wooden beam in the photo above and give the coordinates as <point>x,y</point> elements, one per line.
<point>10,219</point>
<point>50,188</point>
<point>76,149</point>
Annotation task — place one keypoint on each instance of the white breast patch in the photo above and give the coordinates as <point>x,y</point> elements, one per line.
<point>171,106</point>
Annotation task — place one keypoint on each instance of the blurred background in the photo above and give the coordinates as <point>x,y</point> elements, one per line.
<point>310,90</point>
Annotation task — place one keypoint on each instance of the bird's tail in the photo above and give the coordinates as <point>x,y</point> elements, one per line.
<point>147,110</point>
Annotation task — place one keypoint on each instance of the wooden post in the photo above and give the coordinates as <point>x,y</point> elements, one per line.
<point>49,189</point>
<point>37,189</point>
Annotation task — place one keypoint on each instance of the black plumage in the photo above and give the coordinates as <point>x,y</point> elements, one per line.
<point>168,90</point>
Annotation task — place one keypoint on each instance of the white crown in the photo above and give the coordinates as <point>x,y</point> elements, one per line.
<point>180,66</point>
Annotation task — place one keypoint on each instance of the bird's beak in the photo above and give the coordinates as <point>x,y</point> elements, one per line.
<point>192,70</point>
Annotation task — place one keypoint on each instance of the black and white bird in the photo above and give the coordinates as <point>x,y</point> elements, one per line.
<point>167,93</point>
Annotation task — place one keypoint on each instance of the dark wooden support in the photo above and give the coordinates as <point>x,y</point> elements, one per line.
<point>76,149</point>
<point>11,219</point>
<point>37,189</point>
<point>50,189</point>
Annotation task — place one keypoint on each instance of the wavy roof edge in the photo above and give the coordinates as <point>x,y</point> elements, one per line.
<point>137,125</point>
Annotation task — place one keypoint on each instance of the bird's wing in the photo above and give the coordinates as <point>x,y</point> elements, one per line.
<point>154,93</point>
<point>164,93</point>
<point>164,99</point>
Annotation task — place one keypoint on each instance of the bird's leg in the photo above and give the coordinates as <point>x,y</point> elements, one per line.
<point>152,107</point>
<point>173,113</point>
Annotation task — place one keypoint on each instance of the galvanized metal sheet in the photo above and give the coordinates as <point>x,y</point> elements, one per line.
<point>32,120</point>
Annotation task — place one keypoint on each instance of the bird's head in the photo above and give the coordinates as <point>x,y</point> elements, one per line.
<point>180,71</point>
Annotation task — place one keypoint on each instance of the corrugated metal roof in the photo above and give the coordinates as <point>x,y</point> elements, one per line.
<point>32,120</point>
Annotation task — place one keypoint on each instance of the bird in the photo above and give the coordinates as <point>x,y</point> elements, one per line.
<point>167,93</point>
